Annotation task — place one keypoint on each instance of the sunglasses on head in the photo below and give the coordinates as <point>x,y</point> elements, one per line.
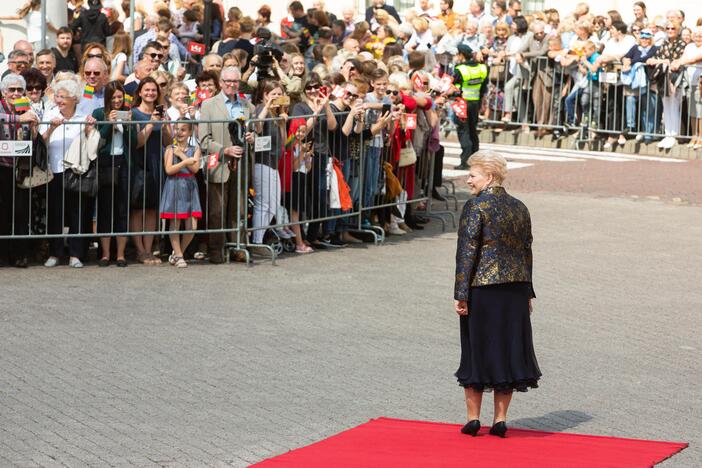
<point>393,92</point>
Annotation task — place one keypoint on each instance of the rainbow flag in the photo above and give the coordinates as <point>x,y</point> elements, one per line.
<point>88,92</point>
<point>21,104</point>
<point>193,97</point>
<point>128,100</point>
<point>291,139</point>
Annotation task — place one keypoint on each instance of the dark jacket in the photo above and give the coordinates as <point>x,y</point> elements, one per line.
<point>93,26</point>
<point>494,242</point>
<point>370,12</point>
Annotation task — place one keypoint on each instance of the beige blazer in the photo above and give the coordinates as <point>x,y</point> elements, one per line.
<point>214,137</point>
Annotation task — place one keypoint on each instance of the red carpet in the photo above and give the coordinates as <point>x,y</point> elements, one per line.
<point>388,442</point>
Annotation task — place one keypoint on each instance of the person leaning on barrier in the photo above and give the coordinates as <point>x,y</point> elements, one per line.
<point>65,207</point>
<point>636,89</point>
<point>692,60</point>
<point>493,292</point>
<point>36,85</point>
<point>14,202</point>
<point>225,192</point>
<point>470,79</point>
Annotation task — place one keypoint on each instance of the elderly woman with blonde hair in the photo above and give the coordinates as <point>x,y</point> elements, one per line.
<point>493,293</point>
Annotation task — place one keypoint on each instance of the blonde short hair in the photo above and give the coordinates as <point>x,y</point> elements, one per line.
<point>492,162</point>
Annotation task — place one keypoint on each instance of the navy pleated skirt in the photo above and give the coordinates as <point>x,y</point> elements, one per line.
<point>497,349</point>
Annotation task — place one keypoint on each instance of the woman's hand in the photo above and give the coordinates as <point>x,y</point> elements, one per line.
<point>462,307</point>
<point>112,116</point>
<point>56,122</point>
<point>90,125</point>
<point>250,138</point>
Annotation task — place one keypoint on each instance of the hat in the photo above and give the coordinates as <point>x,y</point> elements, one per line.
<point>465,50</point>
<point>646,33</point>
<point>660,22</point>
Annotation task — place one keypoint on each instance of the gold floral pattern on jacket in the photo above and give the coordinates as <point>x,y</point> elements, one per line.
<point>494,242</point>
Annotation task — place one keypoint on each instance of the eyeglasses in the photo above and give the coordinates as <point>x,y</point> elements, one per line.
<point>393,92</point>
<point>15,90</point>
<point>230,82</point>
<point>163,84</point>
<point>92,73</point>
<point>95,56</point>
<point>672,28</point>
<point>155,56</point>
<point>23,64</point>
<point>312,87</point>
<point>34,88</point>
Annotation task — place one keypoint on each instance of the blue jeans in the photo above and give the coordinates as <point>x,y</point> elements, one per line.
<point>589,101</point>
<point>371,175</point>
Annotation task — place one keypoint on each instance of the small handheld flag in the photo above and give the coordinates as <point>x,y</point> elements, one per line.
<point>21,104</point>
<point>195,48</point>
<point>88,92</point>
<point>128,100</point>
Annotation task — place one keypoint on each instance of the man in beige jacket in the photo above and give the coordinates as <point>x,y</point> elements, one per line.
<point>227,181</point>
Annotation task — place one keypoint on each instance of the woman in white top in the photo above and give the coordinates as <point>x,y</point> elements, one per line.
<point>422,38</point>
<point>65,207</point>
<point>692,59</point>
<point>515,46</point>
<point>31,13</point>
<point>121,51</point>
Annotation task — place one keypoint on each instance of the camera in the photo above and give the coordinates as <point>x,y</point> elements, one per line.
<point>265,51</point>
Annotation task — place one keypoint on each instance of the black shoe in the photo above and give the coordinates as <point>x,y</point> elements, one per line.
<point>103,262</point>
<point>499,429</point>
<point>421,219</point>
<point>471,428</point>
<point>121,262</point>
<point>319,245</point>
<point>461,167</point>
<point>216,259</point>
<point>335,241</point>
<point>21,262</point>
<point>437,196</point>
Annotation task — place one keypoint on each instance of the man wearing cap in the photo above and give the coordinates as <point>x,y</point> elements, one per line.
<point>470,79</point>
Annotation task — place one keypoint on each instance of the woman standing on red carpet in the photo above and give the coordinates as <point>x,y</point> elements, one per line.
<point>493,293</point>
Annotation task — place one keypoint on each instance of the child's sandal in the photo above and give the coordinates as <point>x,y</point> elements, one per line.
<point>180,262</point>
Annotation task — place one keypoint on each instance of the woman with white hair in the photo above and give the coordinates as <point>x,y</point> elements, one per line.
<point>65,207</point>
<point>14,201</point>
<point>692,60</point>
<point>493,292</point>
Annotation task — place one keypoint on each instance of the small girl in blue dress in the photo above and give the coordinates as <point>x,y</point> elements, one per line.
<point>180,200</point>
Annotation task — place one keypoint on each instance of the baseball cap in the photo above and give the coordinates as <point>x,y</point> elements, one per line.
<point>646,33</point>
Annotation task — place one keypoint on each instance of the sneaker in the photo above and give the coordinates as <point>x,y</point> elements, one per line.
<point>283,234</point>
<point>336,242</point>
<point>667,143</point>
<point>396,231</point>
<point>639,138</point>
<point>51,262</point>
<point>75,263</point>
<point>621,141</point>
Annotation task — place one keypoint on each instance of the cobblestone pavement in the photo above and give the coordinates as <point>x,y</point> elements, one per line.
<point>595,173</point>
<point>219,366</point>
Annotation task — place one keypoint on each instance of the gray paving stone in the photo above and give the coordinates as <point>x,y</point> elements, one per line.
<point>225,366</point>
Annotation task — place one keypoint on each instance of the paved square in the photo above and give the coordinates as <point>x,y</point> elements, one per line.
<point>219,366</point>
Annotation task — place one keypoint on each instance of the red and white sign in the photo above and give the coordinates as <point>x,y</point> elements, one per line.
<point>446,82</point>
<point>418,82</point>
<point>460,108</point>
<point>195,48</point>
<point>212,161</point>
<point>201,95</point>
<point>410,121</point>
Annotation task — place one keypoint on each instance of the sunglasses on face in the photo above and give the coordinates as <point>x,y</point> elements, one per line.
<point>94,56</point>
<point>20,64</point>
<point>155,56</point>
<point>312,88</point>
<point>34,88</point>
<point>671,29</point>
<point>351,96</point>
<point>15,90</point>
<point>393,92</point>
<point>92,73</point>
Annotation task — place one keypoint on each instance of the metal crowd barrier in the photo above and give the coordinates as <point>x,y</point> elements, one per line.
<point>121,195</point>
<point>545,95</point>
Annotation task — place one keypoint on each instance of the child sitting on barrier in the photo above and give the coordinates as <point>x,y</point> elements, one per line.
<point>180,200</point>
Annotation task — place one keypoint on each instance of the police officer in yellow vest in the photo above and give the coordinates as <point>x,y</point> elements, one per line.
<point>470,78</point>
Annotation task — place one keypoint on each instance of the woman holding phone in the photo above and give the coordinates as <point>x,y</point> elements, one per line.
<point>147,177</point>
<point>113,171</point>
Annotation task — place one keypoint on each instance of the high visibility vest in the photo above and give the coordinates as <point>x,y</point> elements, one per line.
<point>473,77</point>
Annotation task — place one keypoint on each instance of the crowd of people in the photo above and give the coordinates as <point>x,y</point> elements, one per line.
<point>157,135</point>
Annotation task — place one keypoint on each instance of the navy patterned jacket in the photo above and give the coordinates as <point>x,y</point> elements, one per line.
<point>494,242</point>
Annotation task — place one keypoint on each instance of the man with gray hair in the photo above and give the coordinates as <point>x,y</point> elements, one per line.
<point>17,62</point>
<point>14,202</point>
<point>95,77</point>
<point>225,193</point>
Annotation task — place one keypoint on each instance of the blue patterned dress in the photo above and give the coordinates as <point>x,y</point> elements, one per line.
<point>180,199</point>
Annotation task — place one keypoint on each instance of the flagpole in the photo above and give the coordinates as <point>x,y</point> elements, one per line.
<point>132,12</point>
<point>43,24</point>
